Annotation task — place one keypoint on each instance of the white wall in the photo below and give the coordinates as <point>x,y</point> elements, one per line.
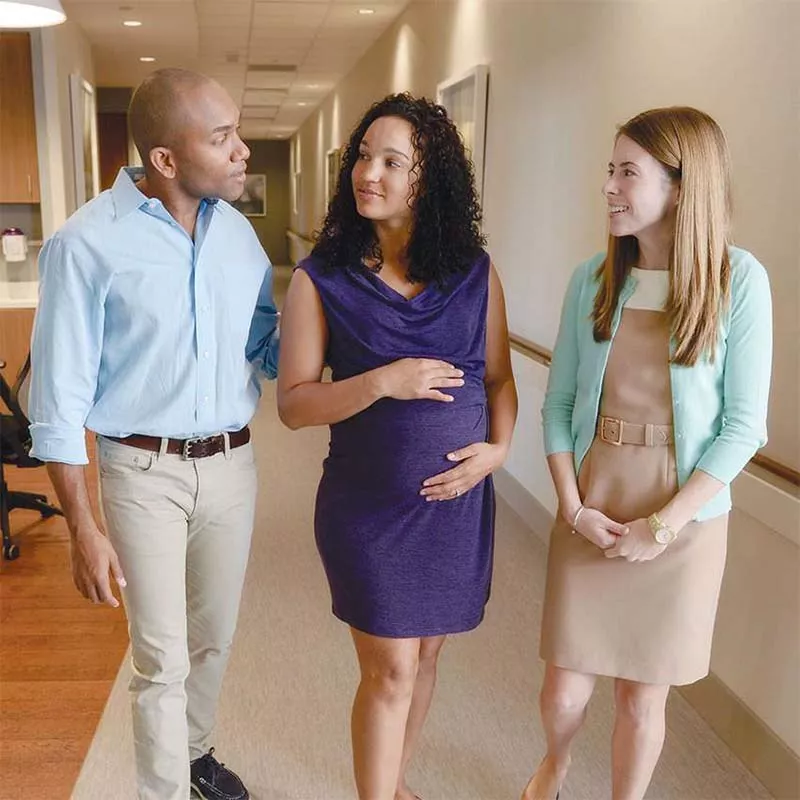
<point>58,52</point>
<point>562,76</point>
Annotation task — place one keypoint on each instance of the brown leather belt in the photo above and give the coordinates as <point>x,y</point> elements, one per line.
<point>198,447</point>
<point>617,431</point>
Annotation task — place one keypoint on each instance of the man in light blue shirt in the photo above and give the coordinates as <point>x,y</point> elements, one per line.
<point>155,318</point>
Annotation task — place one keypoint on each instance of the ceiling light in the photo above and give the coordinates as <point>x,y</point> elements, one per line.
<point>366,11</point>
<point>302,103</point>
<point>147,59</point>
<point>313,86</point>
<point>30,13</point>
<point>132,23</point>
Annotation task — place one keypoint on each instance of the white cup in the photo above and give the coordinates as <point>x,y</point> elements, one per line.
<point>15,245</point>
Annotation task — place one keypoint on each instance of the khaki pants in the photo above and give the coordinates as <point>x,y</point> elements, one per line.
<point>182,531</point>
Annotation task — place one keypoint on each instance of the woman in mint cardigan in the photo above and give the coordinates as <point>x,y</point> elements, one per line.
<point>657,399</point>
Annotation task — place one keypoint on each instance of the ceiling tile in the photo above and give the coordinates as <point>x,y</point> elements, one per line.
<point>323,38</point>
<point>259,112</point>
<point>260,97</point>
<point>270,80</point>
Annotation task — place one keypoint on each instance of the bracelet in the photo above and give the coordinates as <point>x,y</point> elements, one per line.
<point>576,518</point>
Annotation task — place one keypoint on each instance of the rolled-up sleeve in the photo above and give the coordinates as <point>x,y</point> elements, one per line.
<point>559,400</point>
<point>263,343</point>
<point>65,354</point>
<point>746,378</point>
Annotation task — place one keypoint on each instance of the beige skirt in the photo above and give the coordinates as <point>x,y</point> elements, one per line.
<point>653,621</point>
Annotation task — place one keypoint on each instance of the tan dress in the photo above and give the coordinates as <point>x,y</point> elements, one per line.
<point>653,621</point>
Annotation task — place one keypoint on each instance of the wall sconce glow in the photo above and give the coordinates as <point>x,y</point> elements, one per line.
<point>25,14</point>
<point>132,23</point>
<point>365,11</point>
<point>147,59</point>
<point>403,60</point>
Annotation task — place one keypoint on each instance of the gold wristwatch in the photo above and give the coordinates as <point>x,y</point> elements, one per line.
<point>662,532</point>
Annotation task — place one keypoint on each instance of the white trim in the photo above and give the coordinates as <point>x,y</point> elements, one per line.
<point>79,88</point>
<point>48,130</point>
<point>479,74</point>
<point>769,504</point>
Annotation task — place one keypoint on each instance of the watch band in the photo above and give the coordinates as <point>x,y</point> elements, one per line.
<point>662,532</point>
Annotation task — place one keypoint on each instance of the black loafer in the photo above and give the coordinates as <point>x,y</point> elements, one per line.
<point>214,781</point>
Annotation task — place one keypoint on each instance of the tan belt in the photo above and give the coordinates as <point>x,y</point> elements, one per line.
<point>616,431</point>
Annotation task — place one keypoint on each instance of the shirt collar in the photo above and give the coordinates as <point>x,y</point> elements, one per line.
<point>128,197</point>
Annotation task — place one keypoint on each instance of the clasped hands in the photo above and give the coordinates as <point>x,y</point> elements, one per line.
<point>632,541</point>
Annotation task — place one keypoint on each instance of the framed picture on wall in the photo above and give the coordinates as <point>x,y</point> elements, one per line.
<point>333,165</point>
<point>253,202</point>
<point>466,98</point>
<point>85,153</point>
<point>295,169</point>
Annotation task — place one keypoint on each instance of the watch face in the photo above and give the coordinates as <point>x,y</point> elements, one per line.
<point>664,536</point>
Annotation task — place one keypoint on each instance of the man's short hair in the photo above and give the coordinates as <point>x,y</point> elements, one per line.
<point>157,107</point>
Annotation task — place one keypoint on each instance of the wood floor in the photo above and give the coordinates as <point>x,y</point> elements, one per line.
<point>59,655</point>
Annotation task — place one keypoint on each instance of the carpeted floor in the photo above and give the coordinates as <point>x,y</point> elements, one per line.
<point>284,714</point>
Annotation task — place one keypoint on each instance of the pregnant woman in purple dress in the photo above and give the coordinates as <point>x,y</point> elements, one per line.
<point>401,301</point>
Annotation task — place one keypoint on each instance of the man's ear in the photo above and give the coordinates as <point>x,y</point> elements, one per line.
<point>163,162</point>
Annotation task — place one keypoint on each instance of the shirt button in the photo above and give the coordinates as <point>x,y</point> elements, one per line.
<point>205,399</point>
<point>152,203</point>
<point>205,355</point>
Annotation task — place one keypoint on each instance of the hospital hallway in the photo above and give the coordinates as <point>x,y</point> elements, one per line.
<point>283,721</point>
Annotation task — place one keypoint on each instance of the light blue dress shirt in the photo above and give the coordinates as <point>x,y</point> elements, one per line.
<point>140,329</point>
<point>719,407</point>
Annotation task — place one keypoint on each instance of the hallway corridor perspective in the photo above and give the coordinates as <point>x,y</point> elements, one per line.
<point>283,722</point>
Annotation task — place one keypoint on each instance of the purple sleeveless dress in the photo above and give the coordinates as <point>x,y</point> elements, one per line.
<point>397,565</point>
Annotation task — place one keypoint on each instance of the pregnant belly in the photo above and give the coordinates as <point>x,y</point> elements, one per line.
<point>392,447</point>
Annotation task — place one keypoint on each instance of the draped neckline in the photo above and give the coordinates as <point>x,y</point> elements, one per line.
<point>392,293</point>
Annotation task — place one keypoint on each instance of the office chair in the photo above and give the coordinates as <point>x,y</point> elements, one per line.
<point>15,447</point>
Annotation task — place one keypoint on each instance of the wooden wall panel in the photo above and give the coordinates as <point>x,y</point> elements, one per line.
<point>16,325</point>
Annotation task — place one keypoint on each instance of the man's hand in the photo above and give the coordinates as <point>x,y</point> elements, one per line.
<point>92,558</point>
<point>91,554</point>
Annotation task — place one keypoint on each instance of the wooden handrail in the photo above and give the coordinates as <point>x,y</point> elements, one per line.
<point>530,349</point>
<point>544,356</point>
<point>776,468</point>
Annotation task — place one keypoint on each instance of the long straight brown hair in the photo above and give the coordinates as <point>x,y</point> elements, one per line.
<point>692,148</point>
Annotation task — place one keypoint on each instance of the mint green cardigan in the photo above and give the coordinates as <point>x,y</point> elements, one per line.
<point>719,408</point>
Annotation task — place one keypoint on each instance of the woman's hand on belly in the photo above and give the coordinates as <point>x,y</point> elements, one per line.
<point>417,379</point>
<point>477,461</point>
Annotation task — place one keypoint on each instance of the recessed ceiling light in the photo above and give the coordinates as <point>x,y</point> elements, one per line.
<point>366,11</point>
<point>313,86</point>
<point>302,103</point>
<point>147,59</point>
<point>132,23</point>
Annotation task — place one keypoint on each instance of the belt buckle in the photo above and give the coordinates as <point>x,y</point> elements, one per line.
<point>188,444</point>
<point>616,442</point>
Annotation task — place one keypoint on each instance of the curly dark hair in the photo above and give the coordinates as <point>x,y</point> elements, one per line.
<point>445,233</point>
